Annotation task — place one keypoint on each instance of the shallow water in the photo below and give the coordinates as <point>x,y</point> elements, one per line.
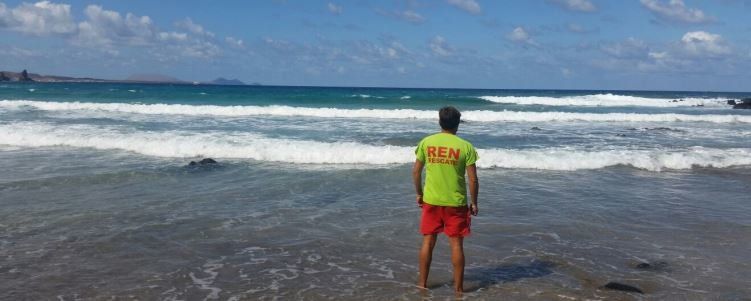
<point>158,230</point>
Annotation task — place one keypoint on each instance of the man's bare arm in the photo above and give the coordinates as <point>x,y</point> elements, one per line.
<point>417,180</point>
<point>474,187</point>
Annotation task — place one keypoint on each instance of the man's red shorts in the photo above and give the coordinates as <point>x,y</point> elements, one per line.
<point>454,221</point>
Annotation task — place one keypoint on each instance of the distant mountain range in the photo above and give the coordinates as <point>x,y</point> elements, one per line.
<point>135,78</point>
<point>228,82</point>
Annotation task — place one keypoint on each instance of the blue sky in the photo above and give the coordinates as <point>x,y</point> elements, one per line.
<point>540,44</point>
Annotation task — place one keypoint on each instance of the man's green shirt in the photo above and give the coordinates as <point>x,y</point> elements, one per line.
<point>446,158</point>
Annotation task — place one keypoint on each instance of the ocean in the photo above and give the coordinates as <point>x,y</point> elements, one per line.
<point>312,198</point>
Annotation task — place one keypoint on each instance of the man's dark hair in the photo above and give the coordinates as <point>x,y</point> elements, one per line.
<point>449,118</point>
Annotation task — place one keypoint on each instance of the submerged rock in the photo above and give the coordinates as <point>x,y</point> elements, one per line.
<point>536,129</point>
<point>622,287</point>
<point>667,129</point>
<point>744,104</point>
<point>206,161</point>
<point>731,102</point>
<point>652,266</point>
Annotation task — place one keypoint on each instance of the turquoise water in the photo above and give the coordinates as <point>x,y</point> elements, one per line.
<point>312,196</point>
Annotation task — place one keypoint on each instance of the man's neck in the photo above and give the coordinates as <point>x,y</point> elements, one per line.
<point>452,132</point>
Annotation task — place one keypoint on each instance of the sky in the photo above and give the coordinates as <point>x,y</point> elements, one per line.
<point>682,45</point>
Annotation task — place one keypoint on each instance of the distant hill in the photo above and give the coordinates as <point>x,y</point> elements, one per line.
<point>224,81</point>
<point>23,76</point>
<point>154,78</point>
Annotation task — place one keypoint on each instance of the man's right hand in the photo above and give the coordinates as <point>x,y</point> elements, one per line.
<point>473,209</point>
<point>419,201</point>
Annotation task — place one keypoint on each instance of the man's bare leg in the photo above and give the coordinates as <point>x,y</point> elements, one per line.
<point>457,259</point>
<point>426,256</point>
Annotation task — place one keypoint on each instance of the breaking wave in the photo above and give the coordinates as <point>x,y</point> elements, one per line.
<point>289,111</point>
<point>181,144</point>
<point>606,100</point>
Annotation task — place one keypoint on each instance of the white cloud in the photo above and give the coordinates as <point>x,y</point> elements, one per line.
<point>702,43</point>
<point>22,53</point>
<point>334,9</point>
<point>197,49</point>
<point>107,27</point>
<point>193,27</point>
<point>676,11</point>
<point>172,36</point>
<point>235,42</point>
<point>41,18</point>
<point>440,47</point>
<point>411,16</point>
<point>407,16</point>
<point>576,5</point>
<point>632,48</point>
<point>520,35</point>
<point>696,51</point>
<point>470,6</point>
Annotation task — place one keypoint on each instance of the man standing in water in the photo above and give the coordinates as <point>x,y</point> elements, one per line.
<point>444,199</point>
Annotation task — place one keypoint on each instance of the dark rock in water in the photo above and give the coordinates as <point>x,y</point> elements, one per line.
<point>653,266</point>
<point>632,129</point>
<point>643,266</point>
<point>206,161</point>
<point>536,129</point>
<point>731,102</point>
<point>621,135</point>
<point>744,104</point>
<point>622,287</point>
<point>664,129</point>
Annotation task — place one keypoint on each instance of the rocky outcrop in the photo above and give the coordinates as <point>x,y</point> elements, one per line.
<point>207,161</point>
<point>25,77</point>
<point>743,104</point>
<point>3,77</point>
<point>622,287</point>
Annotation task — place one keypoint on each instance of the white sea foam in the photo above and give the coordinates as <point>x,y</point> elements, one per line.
<point>606,100</point>
<point>365,96</point>
<point>479,116</point>
<point>179,144</point>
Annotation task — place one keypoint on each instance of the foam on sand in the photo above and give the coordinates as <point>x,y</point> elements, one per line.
<point>288,111</point>
<point>180,144</point>
<point>605,100</point>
